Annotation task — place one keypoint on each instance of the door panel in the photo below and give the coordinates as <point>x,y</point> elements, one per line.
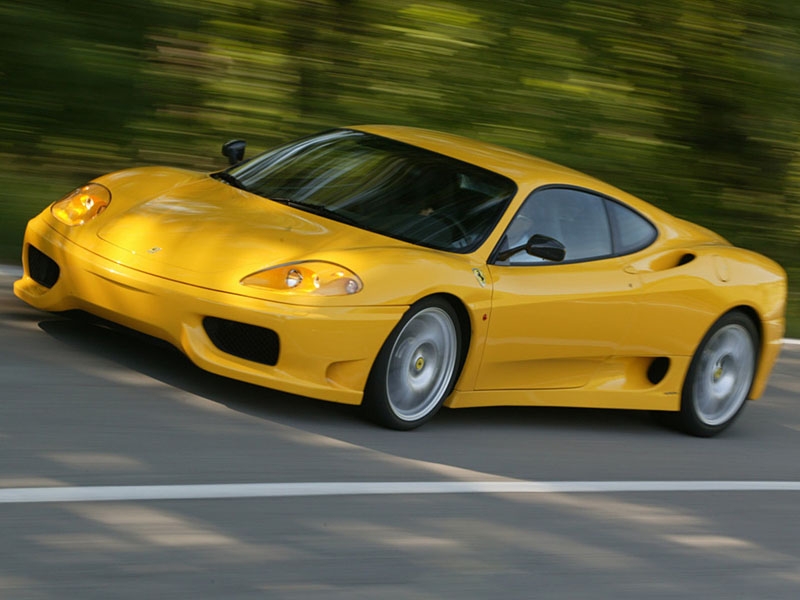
<point>551,325</point>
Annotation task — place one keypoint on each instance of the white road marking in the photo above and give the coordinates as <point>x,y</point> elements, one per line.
<point>359,488</point>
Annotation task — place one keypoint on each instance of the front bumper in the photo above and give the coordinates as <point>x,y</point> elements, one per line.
<point>325,352</point>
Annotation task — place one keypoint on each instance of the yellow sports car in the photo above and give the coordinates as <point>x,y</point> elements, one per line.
<point>403,269</point>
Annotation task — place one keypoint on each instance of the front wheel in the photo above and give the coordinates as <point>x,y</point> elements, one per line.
<point>720,376</point>
<point>416,368</point>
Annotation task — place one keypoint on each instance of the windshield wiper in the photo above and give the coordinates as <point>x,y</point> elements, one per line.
<point>316,209</point>
<point>229,179</point>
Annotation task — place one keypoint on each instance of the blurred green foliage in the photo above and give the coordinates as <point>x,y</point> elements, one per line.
<point>692,105</point>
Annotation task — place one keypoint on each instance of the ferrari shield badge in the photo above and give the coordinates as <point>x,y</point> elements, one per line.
<point>479,276</point>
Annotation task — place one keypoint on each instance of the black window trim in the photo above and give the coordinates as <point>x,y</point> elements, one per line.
<point>612,226</point>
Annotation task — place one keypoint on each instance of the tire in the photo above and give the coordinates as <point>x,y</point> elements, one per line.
<point>417,367</point>
<point>720,376</point>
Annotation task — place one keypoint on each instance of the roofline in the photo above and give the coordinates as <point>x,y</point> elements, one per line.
<point>517,165</point>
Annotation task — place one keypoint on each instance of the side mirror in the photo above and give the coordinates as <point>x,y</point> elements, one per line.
<point>234,151</point>
<point>542,246</point>
<point>546,247</point>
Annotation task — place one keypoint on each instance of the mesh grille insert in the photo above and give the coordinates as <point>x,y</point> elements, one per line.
<point>245,341</point>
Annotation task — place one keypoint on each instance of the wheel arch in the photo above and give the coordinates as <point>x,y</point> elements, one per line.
<point>744,309</point>
<point>752,315</point>
<point>464,322</point>
<point>768,347</point>
<point>755,318</point>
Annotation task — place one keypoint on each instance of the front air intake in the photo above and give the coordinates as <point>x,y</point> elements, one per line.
<point>249,342</point>
<point>42,269</point>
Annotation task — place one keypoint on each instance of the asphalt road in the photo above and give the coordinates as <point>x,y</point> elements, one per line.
<point>85,408</point>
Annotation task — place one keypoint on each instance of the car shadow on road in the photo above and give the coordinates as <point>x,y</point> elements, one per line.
<point>502,440</point>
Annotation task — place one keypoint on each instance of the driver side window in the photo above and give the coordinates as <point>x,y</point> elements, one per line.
<point>575,218</point>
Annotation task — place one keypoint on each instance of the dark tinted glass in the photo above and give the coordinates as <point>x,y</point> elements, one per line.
<point>386,186</point>
<point>633,231</point>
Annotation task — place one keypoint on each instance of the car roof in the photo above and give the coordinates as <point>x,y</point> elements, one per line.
<point>529,172</point>
<point>522,168</point>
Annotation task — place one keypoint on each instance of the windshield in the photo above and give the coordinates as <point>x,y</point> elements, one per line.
<point>382,185</point>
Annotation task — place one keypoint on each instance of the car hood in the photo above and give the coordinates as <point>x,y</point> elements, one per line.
<point>201,228</point>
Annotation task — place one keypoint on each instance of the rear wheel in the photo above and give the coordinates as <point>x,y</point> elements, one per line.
<point>720,376</point>
<point>416,368</point>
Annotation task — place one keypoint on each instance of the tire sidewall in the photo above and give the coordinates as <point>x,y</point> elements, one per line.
<point>689,418</point>
<point>376,404</point>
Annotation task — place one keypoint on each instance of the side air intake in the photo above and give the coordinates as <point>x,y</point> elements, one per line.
<point>249,342</point>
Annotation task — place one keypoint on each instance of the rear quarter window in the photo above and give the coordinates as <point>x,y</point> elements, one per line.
<point>632,232</point>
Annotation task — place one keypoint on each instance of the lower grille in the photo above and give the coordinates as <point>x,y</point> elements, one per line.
<point>42,269</point>
<point>245,341</point>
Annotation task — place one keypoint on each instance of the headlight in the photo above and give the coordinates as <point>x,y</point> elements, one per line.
<point>318,278</point>
<point>82,205</point>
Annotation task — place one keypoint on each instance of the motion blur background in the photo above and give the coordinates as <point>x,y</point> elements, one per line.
<point>693,105</point>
